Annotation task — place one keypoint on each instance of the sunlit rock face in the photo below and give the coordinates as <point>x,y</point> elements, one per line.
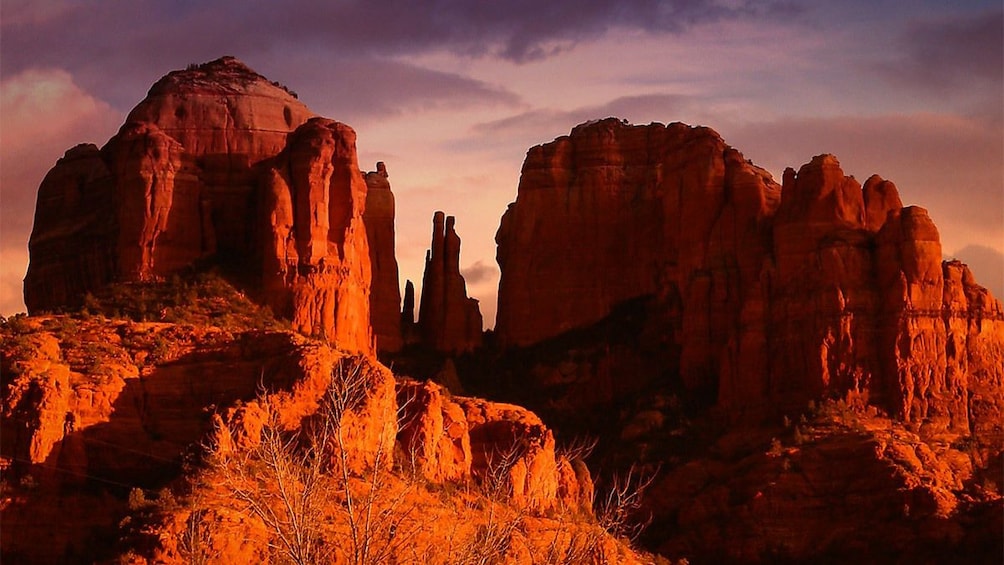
<point>449,321</point>
<point>316,260</point>
<point>217,165</point>
<point>772,295</point>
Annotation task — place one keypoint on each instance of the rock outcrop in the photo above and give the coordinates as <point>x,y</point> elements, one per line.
<point>448,320</point>
<point>316,257</point>
<point>771,295</point>
<point>513,449</point>
<point>385,292</point>
<point>176,184</point>
<point>208,168</point>
<point>74,237</point>
<point>93,408</point>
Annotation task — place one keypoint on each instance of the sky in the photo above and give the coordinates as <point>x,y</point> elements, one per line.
<point>452,93</point>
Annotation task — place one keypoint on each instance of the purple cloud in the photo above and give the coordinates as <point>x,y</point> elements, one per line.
<point>135,41</point>
<point>941,54</point>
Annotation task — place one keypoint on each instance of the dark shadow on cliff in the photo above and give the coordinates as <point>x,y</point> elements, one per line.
<point>584,377</point>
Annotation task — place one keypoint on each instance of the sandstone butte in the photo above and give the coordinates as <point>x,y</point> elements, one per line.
<point>449,321</point>
<point>217,164</point>
<point>774,295</point>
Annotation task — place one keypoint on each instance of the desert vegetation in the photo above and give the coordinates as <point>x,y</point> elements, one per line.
<point>307,492</point>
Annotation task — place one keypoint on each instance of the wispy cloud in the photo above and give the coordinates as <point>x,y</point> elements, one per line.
<point>381,88</point>
<point>103,39</point>
<point>479,273</point>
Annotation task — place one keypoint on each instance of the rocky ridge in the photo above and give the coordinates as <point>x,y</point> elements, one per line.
<point>103,408</point>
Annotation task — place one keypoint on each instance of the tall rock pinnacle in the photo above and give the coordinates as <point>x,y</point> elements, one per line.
<point>385,296</point>
<point>448,320</point>
<point>316,266</point>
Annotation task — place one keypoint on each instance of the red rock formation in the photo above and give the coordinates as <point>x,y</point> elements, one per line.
<point>774,297</point>
<point>448,321</point>
<point>73,238</point>
<point>408,308</point>
<point>385,294</point>
<point>434,434</point>
<point>316,257</point>
<point>512,448</point>
<point>176,184</point>
<point>876,492</point>
<point>205,151</point>
<point>880,198</point>
<point>158,203</point>
<point>224,109</point>
<point>613,212</point>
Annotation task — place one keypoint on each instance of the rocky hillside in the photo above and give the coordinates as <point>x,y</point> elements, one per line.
<point>124,439</point>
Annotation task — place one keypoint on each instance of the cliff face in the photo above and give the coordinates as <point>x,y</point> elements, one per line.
<point>316,257</point>
<point>772,295</point>
<point>73,244</point>
<point>449,321</point>
<point>613,212</point>
<point>385,294</point>
<point>217,164</point>
<point>174,185</point>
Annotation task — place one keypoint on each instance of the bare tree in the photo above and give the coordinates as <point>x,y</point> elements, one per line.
<point>280,480</point>
<point>290,479</point>
<point>617,511</point>
<point>196,540</point>
<point>379,523</point>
